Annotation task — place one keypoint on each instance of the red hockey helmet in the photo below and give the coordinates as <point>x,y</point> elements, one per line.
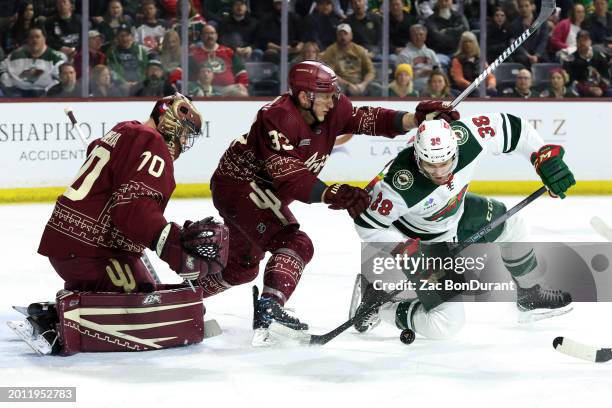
<point>312,76</point>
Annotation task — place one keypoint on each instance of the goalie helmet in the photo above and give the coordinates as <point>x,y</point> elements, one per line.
<point>435,143</point>
<point>178,121</point>
<point>311,77</point>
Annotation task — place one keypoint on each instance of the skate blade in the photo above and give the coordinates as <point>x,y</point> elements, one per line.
<point>21,309</point>
<point>356,296</point>
<point>262,338</point>
<point>212,329</point>
<point>25,331</point>
<point>541,314</point>
<point>289,335</point>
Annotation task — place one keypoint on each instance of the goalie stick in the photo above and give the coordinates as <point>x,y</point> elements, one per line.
<point>314,339</point>
<point>144,258</point>
<point>585,352</point>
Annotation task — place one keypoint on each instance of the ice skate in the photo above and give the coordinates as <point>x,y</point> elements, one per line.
<point>536,303</point>
<point>265,311</point>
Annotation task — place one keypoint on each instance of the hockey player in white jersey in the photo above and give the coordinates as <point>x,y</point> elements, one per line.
<point>424,196</point>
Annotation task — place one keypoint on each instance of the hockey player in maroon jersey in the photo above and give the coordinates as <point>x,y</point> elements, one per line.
<point>277,162</point>
<point>98,231</point>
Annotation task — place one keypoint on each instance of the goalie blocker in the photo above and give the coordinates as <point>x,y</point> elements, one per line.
<point>93,322</point>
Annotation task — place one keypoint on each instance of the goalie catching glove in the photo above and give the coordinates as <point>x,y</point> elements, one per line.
<point>549,164</point>
<point>345,197</point>
<point>197,249</point>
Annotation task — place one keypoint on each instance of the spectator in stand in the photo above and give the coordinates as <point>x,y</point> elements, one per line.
<point>155,84</point>
<point>127,60</point>
<point>31,69</point>
<point>44,9</point>
<point>113,19</point>
<point>64,29</point>
<point>231,78</point>
<point>366,28</point>
<point>533,49</point>
<point>237,31</point>
<point>171,51</point>
<point>465,65</point>
<point>438,86</point>
<point>68,86</point>
<point>101,85</point>
<point>96,56</point>
<point>401,86</point>
<point>18,33</point>
<point>498,34</point>
<point>352,64</point>
<point>8,14</point>
<point>269,34</point>
<point>445,27</point>
<point>304,7</point>
<point>203,86</point>
<point>310,51</point>
<point>589,69</point>
<point>599,24</point>
<point>150,29</point>
<point>400,22</point>
<point>558,86</point>
<point>320,25</point>
<point>522,87</point>
<point>217,10</point>
<point>563,38</point>
<point>423,60</point>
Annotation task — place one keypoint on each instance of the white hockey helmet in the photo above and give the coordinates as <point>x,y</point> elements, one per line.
<point>435,143</point>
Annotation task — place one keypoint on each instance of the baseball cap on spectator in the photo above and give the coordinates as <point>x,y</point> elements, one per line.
<point>407,68</point>
<point>155,62</point>
<point>95,33</point>
<point>344,27</point>
<point>124,27</point>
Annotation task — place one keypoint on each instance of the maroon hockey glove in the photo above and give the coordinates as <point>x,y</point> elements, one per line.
<point>197,249</point>
<point>345,197</point>
<point>443,109</point>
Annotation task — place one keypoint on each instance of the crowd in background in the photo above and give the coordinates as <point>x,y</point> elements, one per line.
<point>235,47</point>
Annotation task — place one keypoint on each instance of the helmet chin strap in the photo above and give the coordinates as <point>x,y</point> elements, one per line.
<point>311,109</point>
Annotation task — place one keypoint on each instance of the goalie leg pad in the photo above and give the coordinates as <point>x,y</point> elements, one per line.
<point>90,322</point>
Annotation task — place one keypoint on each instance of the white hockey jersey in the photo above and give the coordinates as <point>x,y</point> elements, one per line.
<point>404,203</point>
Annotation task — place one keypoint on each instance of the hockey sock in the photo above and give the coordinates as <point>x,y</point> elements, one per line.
<point>522,264</point>
<point>213,284</point>
<point>282,274</point>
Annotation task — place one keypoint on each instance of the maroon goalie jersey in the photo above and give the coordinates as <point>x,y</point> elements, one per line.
<point>116,204</point>
<point>283,151</point>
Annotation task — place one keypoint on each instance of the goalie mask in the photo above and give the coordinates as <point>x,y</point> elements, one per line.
<point>435,150</point>
<point>178,121</point>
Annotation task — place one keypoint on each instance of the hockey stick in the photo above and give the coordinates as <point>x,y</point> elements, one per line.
<point>589,353</point>
<point>314,339</point>
<point>145,259</point>
<point>601,228</point>
<point>573,348</point>
<point>548,7</point>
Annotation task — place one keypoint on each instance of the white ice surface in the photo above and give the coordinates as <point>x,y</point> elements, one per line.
<point>494,361</point>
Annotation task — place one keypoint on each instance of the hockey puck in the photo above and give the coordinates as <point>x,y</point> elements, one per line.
<point>407,336</point>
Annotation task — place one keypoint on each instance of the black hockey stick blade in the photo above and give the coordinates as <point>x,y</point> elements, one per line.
<point>578,350</point>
